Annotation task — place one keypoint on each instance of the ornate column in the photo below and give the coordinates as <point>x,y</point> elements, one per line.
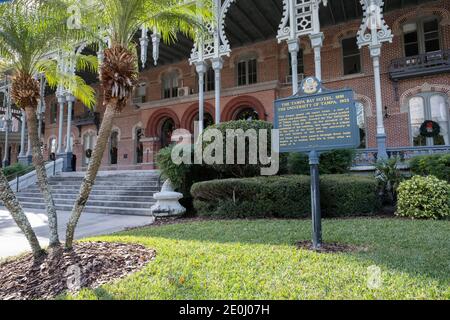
<point>70,101</point>
<point>217,64</point>
<point>316,44</point>
<point>61,101</point>
<point>373,33</point>
<point>200,67</point>
<point>294,48</point>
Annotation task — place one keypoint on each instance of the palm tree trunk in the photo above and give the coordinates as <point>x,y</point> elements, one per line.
<point>12,204</point>
<point>39,165</point>
<point>91,174</point>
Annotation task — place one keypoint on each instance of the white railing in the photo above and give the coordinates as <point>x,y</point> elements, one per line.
<point>52,168</point>
<point>366,158</point>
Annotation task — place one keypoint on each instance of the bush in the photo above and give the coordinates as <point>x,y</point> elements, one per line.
<point>437,165</point>
<point>285,196</point>
<point>241,170</point>
<point>182,176</point>
<point>424,198</point>
<point>16,168</point>
<point>389,178</point>
<point>333,162</point>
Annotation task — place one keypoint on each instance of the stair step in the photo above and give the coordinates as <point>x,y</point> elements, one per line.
<point>94,209</point>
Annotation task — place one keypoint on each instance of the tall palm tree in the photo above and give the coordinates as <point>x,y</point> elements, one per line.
<point>120,20</point>
<point>29,29</point>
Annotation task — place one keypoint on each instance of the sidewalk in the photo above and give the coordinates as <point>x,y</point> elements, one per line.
<point>13,242</point>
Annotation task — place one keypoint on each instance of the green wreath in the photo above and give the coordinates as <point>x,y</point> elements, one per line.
<point>430,129</point>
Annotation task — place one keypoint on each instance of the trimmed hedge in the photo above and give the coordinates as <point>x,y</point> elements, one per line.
<point>285,197</point>
<point>424,198</point>
<point>437,165</point>
<point>332,162</point>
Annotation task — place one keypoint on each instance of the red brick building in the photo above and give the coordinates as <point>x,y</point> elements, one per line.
<point>414,71</point>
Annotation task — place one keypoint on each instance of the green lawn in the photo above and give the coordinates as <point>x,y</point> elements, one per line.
<point>258,260</point>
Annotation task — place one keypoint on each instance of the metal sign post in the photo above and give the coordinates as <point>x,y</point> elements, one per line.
<point>312,121</point>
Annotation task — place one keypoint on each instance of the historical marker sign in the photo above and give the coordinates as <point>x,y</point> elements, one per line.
<point>317,119</point>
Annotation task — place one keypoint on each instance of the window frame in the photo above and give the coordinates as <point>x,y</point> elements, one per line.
<point>246,60</point>
<point>421,34</point>
<point>170,76</point>
<point>366,138</point>
<point>361,71</point>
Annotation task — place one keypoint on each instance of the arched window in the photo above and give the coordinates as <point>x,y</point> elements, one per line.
<point>361,119</point>
<point>167,128</point>
<point>247,71</point>
<point>421,36</point>
<point>246,113</point>
<point>429,106</point>
<point>170,85</point>
<point>114,148</point>
<point>208,120</point>
<point>139,146</point>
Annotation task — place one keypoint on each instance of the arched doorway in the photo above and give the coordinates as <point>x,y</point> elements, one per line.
<point>166,130</point>
<point>139,156</point>
<point>247,113</point>
<point>114,148</point>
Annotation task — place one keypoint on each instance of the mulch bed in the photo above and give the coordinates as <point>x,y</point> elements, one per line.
<point>329,247</point>
<point>89,265</point>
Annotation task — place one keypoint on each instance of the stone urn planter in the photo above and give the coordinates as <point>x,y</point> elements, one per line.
<point>167,202</point>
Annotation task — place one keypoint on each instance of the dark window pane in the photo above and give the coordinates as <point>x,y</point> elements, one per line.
<point>432,45</point>
<point>300,66</point>
<point>252,73</point>
<point>410,37</point>
<point>242,71</point>
<point>412,49</point>
<point>432,25</point>
<point>352,65</point>
<point>349,46</point>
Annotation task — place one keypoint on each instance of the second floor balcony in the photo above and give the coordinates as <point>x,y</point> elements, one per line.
<point>421,65</point>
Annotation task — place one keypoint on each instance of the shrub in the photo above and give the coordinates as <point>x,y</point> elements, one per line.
<point>437,165</point>
<point>241,170</point>
<point>389,178</point>
<point>333,162</point>
<point>424,198</point>
<point>182,176</point>
<point>284,196</point>
<point>349,195</point>
<point>16,168</point>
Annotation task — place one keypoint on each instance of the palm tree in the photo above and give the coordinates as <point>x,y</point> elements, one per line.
<point>28,30</point>
<point>120,20</point>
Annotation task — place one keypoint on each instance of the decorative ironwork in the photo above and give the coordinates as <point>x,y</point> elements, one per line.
<point>373,30</point>
<point>303,14</point>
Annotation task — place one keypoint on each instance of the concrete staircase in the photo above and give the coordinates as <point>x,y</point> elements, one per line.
<point>114,192</point>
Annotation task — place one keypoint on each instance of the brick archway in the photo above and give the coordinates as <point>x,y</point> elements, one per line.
<point>237,104</point>
<point>156,119</point>
<point>191,112</point>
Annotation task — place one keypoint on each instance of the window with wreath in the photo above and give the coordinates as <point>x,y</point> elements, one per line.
<point>139,146</point>
<point>247,71</point>
<point>429,125</point>
<point>170,85</point>
<point>421,36</point>
<point>351,56</point>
